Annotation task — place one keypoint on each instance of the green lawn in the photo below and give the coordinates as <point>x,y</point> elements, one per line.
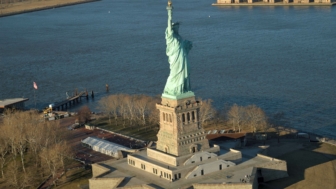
<point>143,132</point>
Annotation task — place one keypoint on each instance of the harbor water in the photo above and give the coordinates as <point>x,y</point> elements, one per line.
<point>281,59</point>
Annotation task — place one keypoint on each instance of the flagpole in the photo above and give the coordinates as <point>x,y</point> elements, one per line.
<point>34,98</point>
<point>35,88</point>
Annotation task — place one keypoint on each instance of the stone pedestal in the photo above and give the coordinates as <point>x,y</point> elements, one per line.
<point>180,132</point>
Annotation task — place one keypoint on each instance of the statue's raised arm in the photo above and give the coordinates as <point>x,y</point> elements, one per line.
<point>170,15</point>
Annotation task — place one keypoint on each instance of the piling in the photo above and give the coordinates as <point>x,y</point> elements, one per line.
<point>86,94</point>
<point>107,88</point>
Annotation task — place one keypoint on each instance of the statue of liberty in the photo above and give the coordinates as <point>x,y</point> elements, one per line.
<point>177,51</point>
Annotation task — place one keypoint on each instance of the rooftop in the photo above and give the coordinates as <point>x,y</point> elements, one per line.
<point>233,174</point>
<point>8,102</point>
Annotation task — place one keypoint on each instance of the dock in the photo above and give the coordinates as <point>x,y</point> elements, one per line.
<point>14,103</point>
<point>58,106</point>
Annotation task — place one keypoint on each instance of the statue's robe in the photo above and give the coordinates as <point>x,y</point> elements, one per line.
<point>177,51</point>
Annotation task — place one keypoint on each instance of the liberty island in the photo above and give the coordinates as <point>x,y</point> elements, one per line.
<point>182,155</point>
<point>218,75</point>
<point>275,77</point>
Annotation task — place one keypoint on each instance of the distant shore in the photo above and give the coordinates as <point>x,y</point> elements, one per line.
<point>32,6</point>
<point>273,4</point>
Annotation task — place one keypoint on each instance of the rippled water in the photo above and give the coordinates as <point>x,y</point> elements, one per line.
<point>279,58</point>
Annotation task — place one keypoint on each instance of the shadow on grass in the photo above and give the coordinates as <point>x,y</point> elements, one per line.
<point>74,178</point>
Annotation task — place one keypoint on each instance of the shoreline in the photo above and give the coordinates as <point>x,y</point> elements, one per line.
<point>273,4</point>
<point>52,6</point>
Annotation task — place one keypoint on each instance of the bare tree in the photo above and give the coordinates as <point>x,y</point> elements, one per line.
<point>35,136</point>
<point>84,114</point>
<point>23,121</point>
<point>64,151</point>
<point>256,118</point>
<point>12,174</point>
<point>15,178</point>
<point>110,105</point>
<point>207,112</point>
<point>123,110</point>
<point>15,126</point>
<point>7,129</point>
<point>115,104</point>
<point>23,132</point>
<point>129,102</point>
<point>142,106</point>
<point>236,116</point>
<point>105,107</point>
<point>4,150</point>
<point>50,157</point>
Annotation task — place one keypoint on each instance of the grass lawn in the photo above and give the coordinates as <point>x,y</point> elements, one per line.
<point>33,171</point>
<point>147,132</point>
<point>309,168</point>
<point>75,178</point>
<point>3,183</point>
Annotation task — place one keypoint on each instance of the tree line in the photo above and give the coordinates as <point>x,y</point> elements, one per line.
<point>249,118</point>
<point>9,3</point>
<point>140,110</point>
<point>30,148</point>
<point>128,109</point>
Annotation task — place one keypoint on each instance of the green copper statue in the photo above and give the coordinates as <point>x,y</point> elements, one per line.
<point>177,51</point>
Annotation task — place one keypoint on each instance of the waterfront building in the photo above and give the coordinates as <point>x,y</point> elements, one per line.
<point>13,103</point>
<point>275,2</point>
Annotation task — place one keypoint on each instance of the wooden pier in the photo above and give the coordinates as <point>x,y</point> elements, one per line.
<point>65,104</point>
